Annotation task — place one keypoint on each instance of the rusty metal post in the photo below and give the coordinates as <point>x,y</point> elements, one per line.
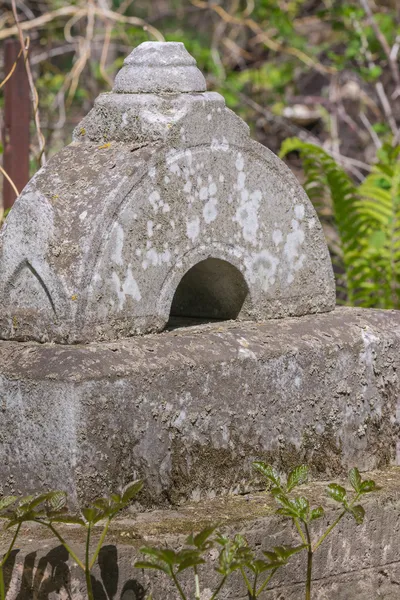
<point>17,109</point>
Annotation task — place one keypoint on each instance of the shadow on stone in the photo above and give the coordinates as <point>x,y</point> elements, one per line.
<point>9,568</point>
<point>25,591</point>
<point>133,590</point>
<point>108,563</point>
<point>52,574</point>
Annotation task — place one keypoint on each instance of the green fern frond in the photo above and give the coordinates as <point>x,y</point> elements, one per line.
<point>367,219</point>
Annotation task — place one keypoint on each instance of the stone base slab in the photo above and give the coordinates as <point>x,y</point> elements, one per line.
<point>189,409</point>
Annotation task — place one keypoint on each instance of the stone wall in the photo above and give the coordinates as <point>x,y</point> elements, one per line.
<point>355,562</point>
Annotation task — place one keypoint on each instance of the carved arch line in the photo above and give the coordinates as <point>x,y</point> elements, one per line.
<point>25,264</point>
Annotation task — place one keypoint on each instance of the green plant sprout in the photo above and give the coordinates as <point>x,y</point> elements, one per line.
<point>231,557</point>
<point>101,509</point>
<point>276,558</point>
<point>302,515</point>
<point>16,511</point>
<point>234,555</point>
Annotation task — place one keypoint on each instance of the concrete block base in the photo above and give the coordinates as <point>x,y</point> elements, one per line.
<point>189,409</point>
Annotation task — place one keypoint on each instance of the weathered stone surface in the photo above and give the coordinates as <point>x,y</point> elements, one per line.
<point>189,409</point>
<point>354,563</point>
<point>153,185</point>
<point>159,68</point>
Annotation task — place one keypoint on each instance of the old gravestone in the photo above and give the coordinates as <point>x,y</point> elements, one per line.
<point>163,211</point>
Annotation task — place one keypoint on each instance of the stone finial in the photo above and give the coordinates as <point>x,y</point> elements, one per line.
<point>162,206</point>
<point>159,68</point>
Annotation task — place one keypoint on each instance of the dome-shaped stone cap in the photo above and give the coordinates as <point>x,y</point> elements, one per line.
<point>159,67</point>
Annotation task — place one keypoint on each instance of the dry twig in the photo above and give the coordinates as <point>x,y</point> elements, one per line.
<point>10,181</point>
<point>263,37</point>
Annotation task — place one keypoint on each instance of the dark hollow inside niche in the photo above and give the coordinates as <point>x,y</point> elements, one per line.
<point>212,290</point>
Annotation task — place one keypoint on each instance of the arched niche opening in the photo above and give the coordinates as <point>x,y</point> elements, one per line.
<point>212,290</point>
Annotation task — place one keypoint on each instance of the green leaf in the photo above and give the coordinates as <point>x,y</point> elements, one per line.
<point>269,472</point>
<point>303,507</point>
<point>141,564</point>
<point>316,513</point>
<point>233,555</point>
<point>37,500</point>
<point>190,561</point>
<point>102,503</point>
<point>358,513</point>
<point>201,540</point>
<point>298,476</point>
<point>166,555</point>
<point>336,492</point>
<point>56,501</point>
<point>368,486</point>
<point>13,522</point>
<point>6,501</point>
<point>281,554</point>
<point>92,514</point>
<point>72,519</point>
<point>297,508</point>
<point>131,490</point>
<point>259,566</point>
<point>25,500</point>
<point>355,479</point>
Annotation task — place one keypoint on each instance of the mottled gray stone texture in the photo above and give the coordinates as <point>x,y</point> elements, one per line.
<point>154,68</point>
<point>160,177</point>
<point>354,563</point>
<point>188,410</point>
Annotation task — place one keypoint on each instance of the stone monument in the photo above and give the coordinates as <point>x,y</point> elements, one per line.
<point>163,213</point>
<point>161,205</point>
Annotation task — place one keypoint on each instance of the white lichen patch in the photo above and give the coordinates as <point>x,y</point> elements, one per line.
<point>299,211</point>
<point>118,242</point>
<point>154,199</point>
<point>124,119</point>
<point>247,215</point>
<point>193,229</point>
<point>261,269</point>
<point>246,353</point>
<point>212,188</point>
<point>277,237</point>
<point>241,180</point>
<point>239,162</point>
<point>292,250</point>
<point>217,145</point>
<point>173,165</point>
<point>210,210</point>
<point>188,156</point>
<point>203,193</point>
<point>128,288</point>
<point>158,203</point>
<point>154,258</point>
